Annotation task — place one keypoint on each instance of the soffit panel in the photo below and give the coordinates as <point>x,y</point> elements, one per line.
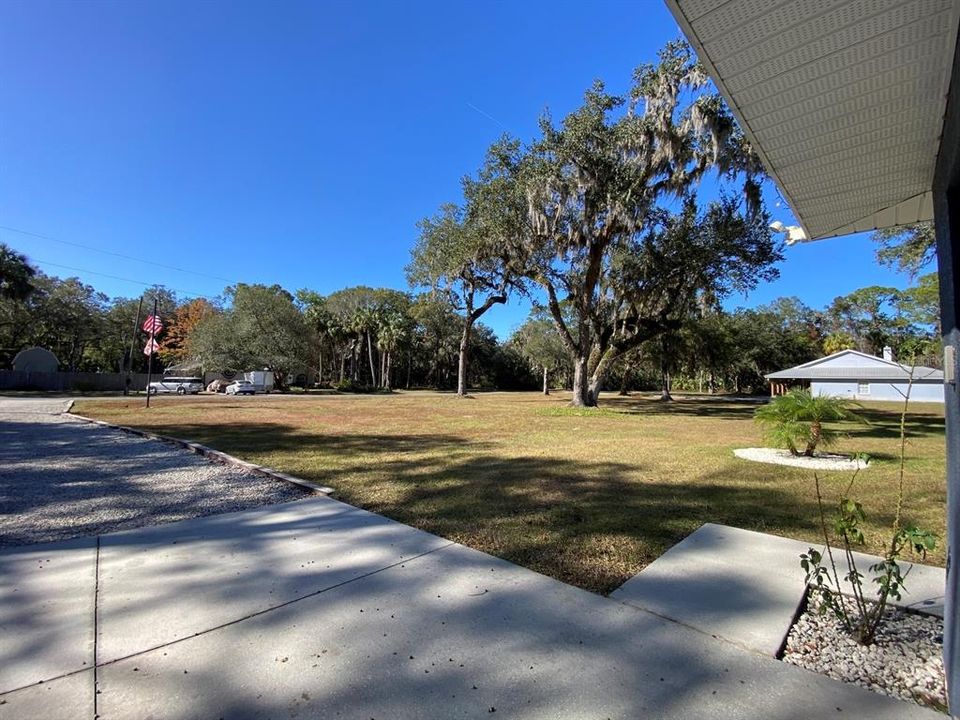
<point>844,101</point>
<point>830,149</point>
<point>814,37</point>
<point>698,8</point>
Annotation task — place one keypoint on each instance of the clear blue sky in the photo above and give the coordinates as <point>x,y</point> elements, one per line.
<point>298,142</point>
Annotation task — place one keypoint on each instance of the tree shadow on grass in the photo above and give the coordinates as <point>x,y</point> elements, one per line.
<point>589,523</point>
<point>885,424</point>
<point>719,408</point>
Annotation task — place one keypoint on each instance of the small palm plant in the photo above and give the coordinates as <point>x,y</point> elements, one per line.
<point>798,419</point>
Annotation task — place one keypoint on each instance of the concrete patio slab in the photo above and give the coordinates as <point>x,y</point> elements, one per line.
<point>233,565</point>
<point>456,633</point>
<point>746,587</point>
<point>67,698</point>
<point>46,611</point>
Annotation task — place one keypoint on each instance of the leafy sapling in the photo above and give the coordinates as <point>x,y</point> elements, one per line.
<point>860,615</point>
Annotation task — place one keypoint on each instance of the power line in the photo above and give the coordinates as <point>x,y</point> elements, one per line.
<point>116,254</point>
<point>123,279</point>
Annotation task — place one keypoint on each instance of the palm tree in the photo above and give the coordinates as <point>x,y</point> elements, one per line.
<point>798,418</point>
<point>392,331</point>
<point>364,322</point>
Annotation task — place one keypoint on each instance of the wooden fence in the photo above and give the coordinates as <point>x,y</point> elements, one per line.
<point>69,382</point>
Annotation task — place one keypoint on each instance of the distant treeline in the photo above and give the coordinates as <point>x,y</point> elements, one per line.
<point>364,338</point>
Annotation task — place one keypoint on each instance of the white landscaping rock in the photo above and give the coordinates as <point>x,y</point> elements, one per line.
<point>905,661</point>
<point>821,461</point>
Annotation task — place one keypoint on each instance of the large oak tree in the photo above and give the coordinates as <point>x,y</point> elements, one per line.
<point>597,237</point>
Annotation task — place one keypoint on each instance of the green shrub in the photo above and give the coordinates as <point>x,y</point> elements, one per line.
<point>797,420</point>
<point>351,386</point>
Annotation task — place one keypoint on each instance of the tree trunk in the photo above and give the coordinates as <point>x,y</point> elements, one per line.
<point>462,365</point>
<point>665,386</point>
<point>593,388</point>
<point>373,370</point>
<point>546,380</point>
<point>386,372</point>
<point>409,366</point>
<point>320,365</point>
<point>343,365</point>
<point>664,371</point>
<point>623,383</point>
<point>582,394</point>
<point>816,430</point>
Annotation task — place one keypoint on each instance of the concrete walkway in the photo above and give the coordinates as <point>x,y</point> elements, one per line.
<point>316,609</point>
<point>746,587</point>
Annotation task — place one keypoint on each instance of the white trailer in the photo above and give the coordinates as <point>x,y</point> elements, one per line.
<point>262,380</point>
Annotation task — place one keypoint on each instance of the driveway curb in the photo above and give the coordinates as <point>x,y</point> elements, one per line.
<point>209,453</point>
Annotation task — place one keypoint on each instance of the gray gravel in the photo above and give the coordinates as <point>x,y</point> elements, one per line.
<point>62,478</point>
<point>905,661</point>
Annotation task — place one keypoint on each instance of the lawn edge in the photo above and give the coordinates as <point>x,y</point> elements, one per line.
<point>209,453</point>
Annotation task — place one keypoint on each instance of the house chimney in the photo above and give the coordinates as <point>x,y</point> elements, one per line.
<point>888,353</point>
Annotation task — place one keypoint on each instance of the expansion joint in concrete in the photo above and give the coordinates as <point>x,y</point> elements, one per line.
<point>96,630</point>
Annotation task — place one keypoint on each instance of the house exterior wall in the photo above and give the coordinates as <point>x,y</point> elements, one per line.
<point>946,202</point>
<point>920,392</point>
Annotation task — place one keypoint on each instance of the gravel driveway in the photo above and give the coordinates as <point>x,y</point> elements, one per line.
<point>62,478</point>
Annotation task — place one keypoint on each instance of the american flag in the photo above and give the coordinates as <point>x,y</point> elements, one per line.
<point>152,324</point>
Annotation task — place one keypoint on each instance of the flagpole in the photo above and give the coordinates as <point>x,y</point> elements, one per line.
<point>133,344</point>
<point>153,330</point>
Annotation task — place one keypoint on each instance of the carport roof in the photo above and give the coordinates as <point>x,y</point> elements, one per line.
<point>844,101</point>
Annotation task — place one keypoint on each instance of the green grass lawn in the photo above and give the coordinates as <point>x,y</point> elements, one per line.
<point>588,497</point>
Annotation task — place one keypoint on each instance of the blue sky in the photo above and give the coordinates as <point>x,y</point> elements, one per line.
<point>298,143</point>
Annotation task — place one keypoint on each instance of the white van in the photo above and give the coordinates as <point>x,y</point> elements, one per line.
<point>178,385</point>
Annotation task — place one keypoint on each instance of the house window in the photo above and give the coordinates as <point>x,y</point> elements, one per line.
<point>863,388</point>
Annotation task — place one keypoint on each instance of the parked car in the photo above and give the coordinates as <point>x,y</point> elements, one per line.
<point>178,385</point>
<point>241,387</point>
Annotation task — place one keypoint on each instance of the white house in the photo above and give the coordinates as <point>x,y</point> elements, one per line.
<point>858,376</point>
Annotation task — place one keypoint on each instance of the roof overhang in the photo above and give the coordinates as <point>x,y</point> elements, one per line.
<point>860,374</point>
<point>843,101</point>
